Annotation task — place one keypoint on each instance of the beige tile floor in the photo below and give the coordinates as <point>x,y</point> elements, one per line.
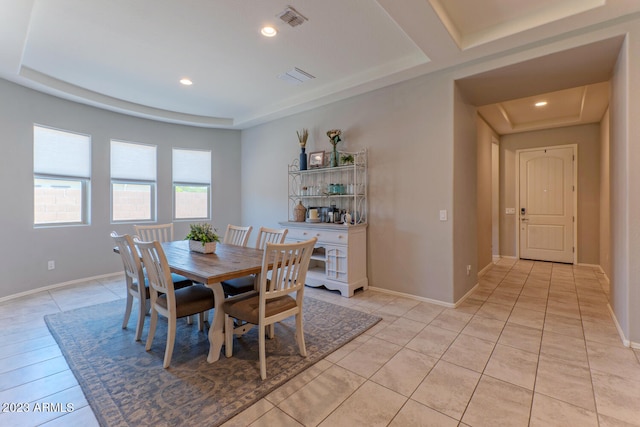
<point>534,345</point>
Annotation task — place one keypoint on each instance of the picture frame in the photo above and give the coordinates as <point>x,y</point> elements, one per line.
<point>316,159</point>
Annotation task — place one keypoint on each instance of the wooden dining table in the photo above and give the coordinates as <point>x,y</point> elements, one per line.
<point>228,262</point>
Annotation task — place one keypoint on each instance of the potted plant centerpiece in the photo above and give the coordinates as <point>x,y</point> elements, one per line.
<point>202,238</point>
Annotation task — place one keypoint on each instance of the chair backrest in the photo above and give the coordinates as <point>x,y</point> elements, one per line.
<point>131,260</point>
<point>160,232</point>
<point>270,235</point>
<point>236,235</point>
<point>292,262</point>
<point>158,271</point>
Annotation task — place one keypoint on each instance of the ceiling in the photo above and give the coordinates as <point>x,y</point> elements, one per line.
<point>128,56</point>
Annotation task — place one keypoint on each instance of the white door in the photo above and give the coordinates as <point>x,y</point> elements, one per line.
<point>547,204</point>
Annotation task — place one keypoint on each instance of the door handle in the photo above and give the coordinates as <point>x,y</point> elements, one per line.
<point>524,219</point>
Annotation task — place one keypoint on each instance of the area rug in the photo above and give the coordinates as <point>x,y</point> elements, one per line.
<point>127,386</point>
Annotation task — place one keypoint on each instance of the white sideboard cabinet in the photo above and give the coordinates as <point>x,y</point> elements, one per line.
<point>339,260</point>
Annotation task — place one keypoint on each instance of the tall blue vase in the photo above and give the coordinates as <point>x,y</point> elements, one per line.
<point>303,159</point>
<point>333,160</point>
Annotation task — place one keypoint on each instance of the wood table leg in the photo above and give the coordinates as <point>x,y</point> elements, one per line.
<point>216,331</point>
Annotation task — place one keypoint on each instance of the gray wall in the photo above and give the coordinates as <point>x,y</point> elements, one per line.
<point>485,193</point>
<point>605,198</point>
<point>85,251</point>
<point>408,129</point>
<point>587,138</point>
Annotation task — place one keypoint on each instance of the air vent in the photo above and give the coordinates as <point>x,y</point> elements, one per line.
<point>292,17</point>
<point>295,76</point>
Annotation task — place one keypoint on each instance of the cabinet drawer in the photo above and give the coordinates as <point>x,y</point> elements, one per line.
<point>324,236</point>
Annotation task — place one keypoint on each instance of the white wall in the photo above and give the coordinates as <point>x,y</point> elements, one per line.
<point>85,251</point>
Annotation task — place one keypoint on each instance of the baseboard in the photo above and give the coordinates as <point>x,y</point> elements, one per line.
<point>484,270</point>
<point>580,264</point>
<point>624,339</point>
<point>57,285</point>
<point>605,275</point>
<point>423,299</point>
<point>467,295</point>
<point>413,297</point>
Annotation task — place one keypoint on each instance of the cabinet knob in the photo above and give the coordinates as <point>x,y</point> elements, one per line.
<point>304,233</point>
<point>339,236</point>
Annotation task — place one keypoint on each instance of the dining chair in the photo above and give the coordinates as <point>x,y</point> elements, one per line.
<point>247,283</point>
<point>134,274</point>
<point>236,235</point>
<point>273,302</point>
<point>137,287</point>
<point>168,301</point>
<point>161,233</point>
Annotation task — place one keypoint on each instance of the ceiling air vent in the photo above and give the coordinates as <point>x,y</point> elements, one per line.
<point>292,17</point>
<point>295,76</point>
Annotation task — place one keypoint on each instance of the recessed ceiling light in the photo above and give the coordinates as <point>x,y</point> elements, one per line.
<point>541,104</point>
<point>268,31</point>
<point>185,81</point>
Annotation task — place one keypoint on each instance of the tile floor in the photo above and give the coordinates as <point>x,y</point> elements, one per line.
<point>534,345</point>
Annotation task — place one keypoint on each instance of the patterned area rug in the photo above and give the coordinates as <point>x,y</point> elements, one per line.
<point>127,386</point>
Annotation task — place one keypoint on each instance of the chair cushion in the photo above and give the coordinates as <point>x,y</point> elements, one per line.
<point>180,281</point>
<point>134,288</point>
<point>238,286</point>
<point>190,300</point>
<point>245,306</point>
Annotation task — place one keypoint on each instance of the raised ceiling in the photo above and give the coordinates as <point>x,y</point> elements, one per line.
<point>128,56</point>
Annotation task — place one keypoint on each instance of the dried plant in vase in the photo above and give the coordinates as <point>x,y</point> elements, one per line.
<point>302,139</point>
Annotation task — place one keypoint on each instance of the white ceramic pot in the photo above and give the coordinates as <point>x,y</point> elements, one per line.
<point>207,248</point>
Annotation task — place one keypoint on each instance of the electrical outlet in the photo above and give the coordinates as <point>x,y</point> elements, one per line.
<point>51,265</point>
<point>468,270</point>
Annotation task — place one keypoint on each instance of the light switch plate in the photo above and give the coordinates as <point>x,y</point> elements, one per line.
<point>443,215</point>
<point>510,211</point>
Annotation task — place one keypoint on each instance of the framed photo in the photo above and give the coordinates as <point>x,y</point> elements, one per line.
<point>316,159</point>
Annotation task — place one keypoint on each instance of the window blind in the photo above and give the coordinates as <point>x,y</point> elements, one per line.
<point>191,166</point>
<point>133,161</point>
<point>57,152</point>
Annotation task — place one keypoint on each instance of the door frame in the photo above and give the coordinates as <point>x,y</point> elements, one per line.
<point>574,198</point>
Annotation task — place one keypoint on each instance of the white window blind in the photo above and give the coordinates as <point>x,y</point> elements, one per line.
<point>61,153</point>
<point>133,161</point>
<point>191,166</point>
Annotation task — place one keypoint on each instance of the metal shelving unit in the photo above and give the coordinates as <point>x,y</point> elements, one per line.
<point>344,185</point>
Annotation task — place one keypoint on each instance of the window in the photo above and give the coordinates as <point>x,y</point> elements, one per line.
<point>61,176</point>
<point>191,184</point>
<point>133,181</point>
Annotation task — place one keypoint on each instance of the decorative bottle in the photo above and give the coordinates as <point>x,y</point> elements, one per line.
<point>303,159</point>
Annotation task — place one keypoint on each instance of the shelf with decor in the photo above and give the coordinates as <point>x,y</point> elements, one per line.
<point>342,188</point>
<point>339,259</point>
